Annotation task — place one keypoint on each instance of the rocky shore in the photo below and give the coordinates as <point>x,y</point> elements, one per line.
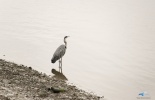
<point>19,82</point>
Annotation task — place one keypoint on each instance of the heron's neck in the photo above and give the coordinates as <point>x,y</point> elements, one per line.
<point>65,42</point>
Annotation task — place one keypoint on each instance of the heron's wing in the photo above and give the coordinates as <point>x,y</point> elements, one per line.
<point>60,51</point>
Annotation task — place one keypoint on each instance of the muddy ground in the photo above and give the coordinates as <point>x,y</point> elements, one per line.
<point>19,82</point>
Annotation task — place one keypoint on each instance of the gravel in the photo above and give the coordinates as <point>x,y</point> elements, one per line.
<point>19,82</point>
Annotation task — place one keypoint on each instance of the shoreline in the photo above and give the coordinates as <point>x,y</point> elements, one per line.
<point>19,82</point>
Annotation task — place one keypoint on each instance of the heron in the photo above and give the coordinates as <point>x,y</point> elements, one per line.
<point>59,53</point>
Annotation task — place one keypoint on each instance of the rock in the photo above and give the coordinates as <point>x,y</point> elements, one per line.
<point>56,90</point>
<point>5,81</point>
<point>17,81</point>
<point>30,68</point>
<point>2,97</point>
<point>42,94</point>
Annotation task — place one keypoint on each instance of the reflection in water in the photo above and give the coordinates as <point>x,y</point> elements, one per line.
<point>58,75</point>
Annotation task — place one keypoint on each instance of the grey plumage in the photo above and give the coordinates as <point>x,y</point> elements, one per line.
<point>59,53</point>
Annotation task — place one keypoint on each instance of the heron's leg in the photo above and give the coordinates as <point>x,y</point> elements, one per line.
<point>59,64</point>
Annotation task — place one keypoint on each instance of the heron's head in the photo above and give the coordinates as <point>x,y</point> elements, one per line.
<point>66,37</point>
<point>65,40</point>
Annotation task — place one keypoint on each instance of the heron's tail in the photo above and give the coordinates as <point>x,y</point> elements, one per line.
<point>53,61</point>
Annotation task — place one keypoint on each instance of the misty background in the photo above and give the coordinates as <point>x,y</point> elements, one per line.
<point>111,49</point>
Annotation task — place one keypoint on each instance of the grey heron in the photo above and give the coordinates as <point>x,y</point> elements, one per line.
<point>59,53</point>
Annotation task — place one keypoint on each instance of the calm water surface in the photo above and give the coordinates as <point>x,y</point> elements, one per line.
<point>111,49</point>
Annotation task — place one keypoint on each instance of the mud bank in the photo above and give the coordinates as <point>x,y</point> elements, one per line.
<point>19,82</point>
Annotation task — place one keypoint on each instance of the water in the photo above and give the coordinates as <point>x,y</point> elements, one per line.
<point>111,49</point>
